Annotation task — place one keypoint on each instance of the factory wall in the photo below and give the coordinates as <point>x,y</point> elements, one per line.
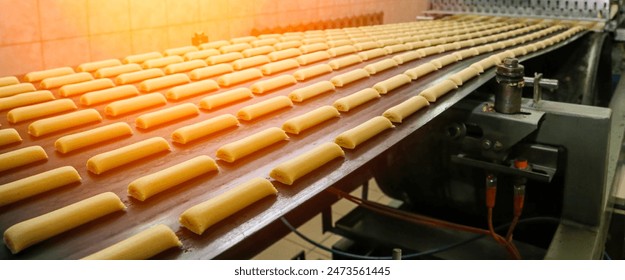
<point>42,34</point>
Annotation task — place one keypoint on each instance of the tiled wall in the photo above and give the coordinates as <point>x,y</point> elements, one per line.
<point>41,34</point>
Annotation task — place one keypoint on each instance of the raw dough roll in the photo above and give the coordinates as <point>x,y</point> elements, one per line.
<point>140,58</point>
<point>245,63</point>
<point>388,42</point>
<point>489,62</point>
<point>434,92</point>
<point>204,128</point>
<point>239,77</point>
<point>356,99</point>
<point>313,47</point>
<point>24,234</point>
<point>141,102</point>
<point>310,58</point>
<point>349,77</point>
<point>444,60</point>
<point>228,97</point>
<point>224,58</point>
<point>235,48</point>
<point>380,66</point>
<point>167,115</point>
<point>11,90</point>
<point>140,246</point>
<point>464,75</point>
<point>402,110</point>
<point>302,122</point>
<point>62,122</point>
<point>8,80</point>
<point>264,107</point>
<point>133,77</point>
<point>273,83</point>
<point>55,82</point>
<point>340,43</point>
<point>201,216</point>
<point>37,184</point>
<point>284,54</point>
<point>289,171</point>
<point>236,150</point>
<point>9,136</point>
<point>36,111</point>
<point>451,46</point>
<point>184,66</point>
<point>420,71</point>
<point>344,61</point>
<point>406,57</point>
<point>264,42</point>
<point>310,41</point>
<point>279,66</point>
<point>90,137</point>
<point>115,71</point>
<point>432,50</point>
<point>106,161</point>
<point>192,89</point>
<point>371,54</point>
<point>214,44</point>
<point>498,45</point>
<point>367,46</point>
<point>396,48</point>
<point>210,71</point>
<point>37,76</point>
<point>312,71</point>
<point>93,66</point>
<point>245,39</point>
<point>163,82</point>
<point>180,50</point>
<point>352,138</point>
<point>21,157</point>
<point>106,95</point>
<point>161,62</point>
<point>392,83</point>
<point>80,88</point>
<point>257,51</point>
<point>460,55</point>
<point>342,50</point>
<point>24,99</point>
<point>483,48</point>
<point>203,54</point>
<point>302,94</point>
<point>417,45</point>
<point>150,185</point>
<point>291,44</point>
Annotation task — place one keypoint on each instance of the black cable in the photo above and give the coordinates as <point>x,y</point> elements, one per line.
<point>413,255</point>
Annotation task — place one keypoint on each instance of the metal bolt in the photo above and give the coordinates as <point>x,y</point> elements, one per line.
<point>486,144</point>
<point>498,146</point>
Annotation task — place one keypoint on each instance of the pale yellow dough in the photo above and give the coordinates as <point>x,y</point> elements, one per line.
<point>346,61</point>
<point>152,184</point>
<point>402,110</point>
<point>313,47</point>
<point>367,46</point>
<point>204,128</point>
<point>295,43</point>
<point>140,246</point>
<point>434,92</point>
<point>141,102</point>
<point>21,157</point>
<point>133,77</point>
<point>284,54</point>
<point>37,184</point>
<point>180,50</point>
<point>192,89</point>
<point>356,99</point>
<point>257,51</point>
<point>94,66</point>
<point>309,58</point>
<point>224,58</point>
<point>444,60</point>
<point>9,136</point>
<point>289,171</point>
<point>264,42</point>
<point>161,62</point>
<point>460,55</point>
<point>396,48</point>
<point>40,110</point>
<point>27,233</point>
<point>262,108</point>
<point>272,84</point>
<point>239,77</point>
<point>302,94</point>
<point>63,122</point>
<point>115,71</point>
<point>14,89</point>
<point>302,122</point>
<point>371,54</point>
<point>341,50</point>
<point>388,42</point>
<point>8,80</point>
<point>184,66</point>
<point>167,115</point>
<point>72,142</point>
<point>245,63</point>
<point>312,71</point>
<point>234,151</point>
<point>55,82</point>
<point>37,76</point>
<point>24,99</point>
<point>106,161</point>
<point>350,139</point>
<point>210,71</point>
<point>80,88</point>
<point>380,66</point>
<point>420,71</point>
<point>214,44</point>
<point>163,82</point>
<point>106,95</point>
<point>310,41</point>
<point>235,48</point>
<point>464,75</point>
<point>340,43</point>
<point>203,54</point>
<point>140,58</point>
<point>245,39</point>
<point>228,97</point>
<point>392,83</point>
<point>202,216</point>
<point>406,57</point>
<point>279,66</point>
<point>349,77</point>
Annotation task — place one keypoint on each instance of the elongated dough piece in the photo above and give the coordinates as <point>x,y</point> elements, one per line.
<point>464,75</point>
<point>204,128</point>
<point>284,54</point>
<point>420,70</point>
<point>380,66</point>
<point>106,95</point>
<point>262,108</point>
<point>21,157</point>
<point>367,46</point>
<point>302,94</point>
<point>371,54</point>
<point>396,48</point>
<point>167,115</point>
<point>210,71</point>
<point>9,136</point>
<point>115,71</point>
<point>460,55</point>
<point>236,150</point>
<point>134,104</point>
<point>63,122</point>
<point>245,63</point>
<point>80,88</point>
<point>356,99</point>
<point>434,92</point>
<point>133,77</point>
<point>180,50</point>
<point>310,41</point>
<point>37,76</point>
<point>40,110</point>
<point>483,48</point>
<point>235,48</point>
<point>91,137</point>
<point>402,110</point>
<point>202,216</point>
<point>228,97</point>
<point>140,246</point>
<point>161,62</point>
<point>192,89</point>
<point>239,77</point>
<point>27,233</point>
<point>94,66</point>
<point>444,60</point>
<point>279,66</point>
<point>290,44</point>
<point>214,44</point>
<point>15,89</point>
<point>224,58</point>
<point>388,42</point>
<point>257,51</point>
<point>150,185</point>
<point>24,99</point>
<point>341,50</point>
<point>349,77</point>
<point>312,71</point>
<point>163,82</point>
<point>431,50</point>
<point>55,82</point>
<point>8,80</point>
<point>106,161</point>
<point>343,62</point>
<point>313,47</point>
<point>392,83</point>
<point>140,58</point>
<point>305,121</point>
<point>340,43</point>
<point>184,66</point>
<point>245,39</point>
<point>350,139</point>
<point>309,58</point>
<point>272,84</point>
<point>406,57</point>
<point>202,54</point>
<point>264,42</point>
<point>289,171</point>
<point>37,184</point>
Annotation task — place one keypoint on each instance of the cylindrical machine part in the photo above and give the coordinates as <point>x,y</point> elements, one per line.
<point>510,78</point>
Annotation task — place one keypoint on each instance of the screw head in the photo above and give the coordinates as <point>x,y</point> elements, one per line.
<point>498,146</point>
<point>486,144</point>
